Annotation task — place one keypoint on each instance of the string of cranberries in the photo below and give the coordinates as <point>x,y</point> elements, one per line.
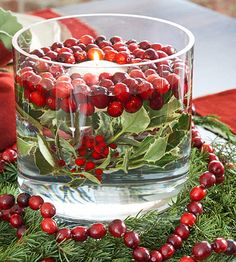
<point>9,155</point>
<point>12,211</point>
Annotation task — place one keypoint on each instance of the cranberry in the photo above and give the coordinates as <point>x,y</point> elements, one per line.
<point>80,56</point>
<point>121,92</point>
<point>168,49</point>
<point>56,70</point>
<point>231,247</point>
<point>80,161</point>
<point>70,42</point>
<point>16,220</point>
<point>131,239</point>
<point>120,47</point>
<point>167,251</point>
<point>66,57</point>
<point>186,259</point>
<point>133,105</point>
<point>107,83</point>
<point>23,199</point>
<point>63,234</point>
<point>117,228</point>
<point>175,240</point>
<point>16,209</point>
<point>219,245</point>
<point>212,157</point>
<point>100,98</point>
<point>38,53</point>
<point>202,250</point>
<point>145,90</point>
<point>79,233</point>
<point>95,53</point>
<point>132,85</point>
<point>150,54</point>
<point>195,208</point>
<point>5,215</point>
<point>161,54</point>
<point>122,57</point>
<point>86,109</point>
<point>156,256</point>
<point>119,77</point>
<point>149,72</point>
<point>68,105</point>
<point>115,109</point>
<point>89,166</point>
<point>145,44</point>
<point>197,141</point>
<point>141,254</point>
<point>216,167</point>
<point>115,39</point>
<point>90,79</point>
<point>188,219</point>
<point>182,231</point>
<point>48,259</point>
<point>111,55</point>
<point>197,193</point>
<point>136,73</point>
<point>37,99</point>
<point>161,85</point>
<point>156,102</point>
<point>6,201</point>
<point>97,231</point>
<point>220,179</point>
<point>132,47</point>
<point>9,155</point>
<point>52,55</point>
<point>20,231</point>
<point>35,202</point>
<point>41,66</point>
<point>207,148</point>
<point>49,226</point>
<point>105,75</point>
<point>56,45</point>
<point>86,39</point>
<point>207,179</point>
<point>99,39</point>
<point>47,210</point>
<point>52,103</point>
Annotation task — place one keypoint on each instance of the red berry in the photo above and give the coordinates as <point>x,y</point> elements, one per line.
<point>95,53</point>
<point>212,157</point>
<point>156,102</point>
<point>145,90</point>
<point>86,109</point>
<point>156,256</point>
<point>113,145</point>
<point>9,155</point>
<point>231,247</point>
<point>49,226</point>
<point>89,166</point>
<point>201,251</point>
<point>20,231</point>
<point>111,55</point>
<point>197,141</point>
<point>141,254</point>
<point>117,228</point>
<point>48,259</point>
<point>216,167</point>
<point>47,210</point>
<point>16,209</point>
<point>161,85</point>
<point>115,39</point>
<point>195,208</point>
<point>16,220</point>
<point>219,245</point>
<point>197,193</point>
<point>121,91</point>
<point>70,42</point>
<point>195,132</point>
<point>167,251</point>
<point>51,102</point>
<point>61,162</point>
<point>90,79</point>
<point>86,39</point>
<point>97,231</point>
<point>134,104</point>
<point>207,179</point>
<point>35,202</point>
<point>188,219</point>
<point>220,179</point>
<point>115,109</point>
<point>63,234</point>
<point>80,56</point>
<point>5,215</point>
<point>186,259</point>
<point>6,201</point>
<point>175,240</point>
<point>119,77</point>
<point>80,161</point>
<point>136,73</point>
<point>79,233</point>
<point>68,105</point>
<point>131,239</point>
<point>150,54</point>
<point>37,98</point>
<point>23,199</point>
<point>98,172</point>
<point>56,45</point>
<point>100,98</point>
<point>182,231</point>
<point>122,57</point>
<point>62,89</point>
<point>145,44</point>
<point>207,148</point>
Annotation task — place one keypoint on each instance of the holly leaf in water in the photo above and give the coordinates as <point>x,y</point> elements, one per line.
<point>24,147</point>
<point>43,147</point>
<point>44,167</point>
<point>91,177</point>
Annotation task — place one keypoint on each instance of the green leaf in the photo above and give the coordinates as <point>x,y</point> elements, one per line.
<point>106,162</point>
<point>91,177</point>
<point>43,147</point>
<point>136,122</point>
<point>66,146</point>
<point>47,117</point>
<point>8,27</point>
<point>44,167</point>
<point>24,147</point>
<point>143,147</point>
<point>163,119</point>
<point>128,141</point>
<point>126,160</point>
<point>157,150</point>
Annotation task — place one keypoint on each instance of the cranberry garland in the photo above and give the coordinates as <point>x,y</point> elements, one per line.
<point>12,212</point>
<point>9,155</point>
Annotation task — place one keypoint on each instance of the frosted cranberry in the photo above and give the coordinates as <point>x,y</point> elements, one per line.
<point>182,231</point>
<point>186,259</point>
<point>90,79</point>
<point>133,104</point>
<point>202,250</point>
<point>63,234</point>
<point>20,231</point>
<point>168,49</point>
<point>86,39</point>
<point>9,155</point>
<point>195,208</point>
<point>6,201</point>
<point>220,179</point>
<point>79,233</point>
<point>156,46</point>
<point>68,105</point>
<point>63,78</point>
<point>49,226</point>
<point>16,220</point>
<point>56,45</point>
<point>35,202</point>
<point>175,240</point>
<point>231,247</point>
<point>141,254</point>
<point>145,45</point>
<point>70,42</point>
<point>86,109</point>
<point>156,256</point>
<point>212,157</point>
<point>167,251</point>
<point>51,102</point>
<point>122,57</point>
<point>219,245</point>
<point>16,209</point>
<point>131,239</point>
<point>145,90</point>
<point>115,109</point>
<point>47,210</point>
<point>156,102</point>
<point>188,219</point>
<point>80,56</point>
<point>117,228</point>
<point>38,52</point>
<point>197,141</point>
<point>115,39</point>
<point>23,199</point>
<point>207,179</point>
<point>161,85</point>
<point>97,231</point>
<point>197,193</point>
<point>216,167</point>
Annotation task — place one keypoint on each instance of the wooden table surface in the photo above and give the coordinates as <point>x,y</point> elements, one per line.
<point>215,46</point>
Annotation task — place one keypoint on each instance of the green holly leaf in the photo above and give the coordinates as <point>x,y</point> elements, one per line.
<point>106,162</point>
<point>43,147</point>
<point>8,27</point>
<point>44,167</point>
<point>24,147</point>
<point>91,177</point>
<point>143,146</point>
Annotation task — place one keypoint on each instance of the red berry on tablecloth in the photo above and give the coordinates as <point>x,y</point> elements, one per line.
<point>182,231</point>
<point>167,251</point>
<point>175,240</point>
<point>49,226</point>
<point>195,208</point>
<point>35,202</point>
<point>63,234</point>
<point>117,228</point>
<point>97,231</point>
<point>220,245</point>
<point>187,259</point>
<point>216,167</point>
<point>6,201</point>
<point>47,210</point>
<point>20,231</point>
<point>202,250</point>
<point>16,220</point>
<point>79,233</point>
<point>9,155</point>
<point>156,256</point>
<point>115,109</point>
<point>188,219</point>
<point>197,193</point>
<point>231,247</point>
<point>131,239</point>
<point>141,254</point>
<point>207,179</point>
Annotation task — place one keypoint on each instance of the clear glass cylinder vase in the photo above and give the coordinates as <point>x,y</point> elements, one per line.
<point>103,113</point>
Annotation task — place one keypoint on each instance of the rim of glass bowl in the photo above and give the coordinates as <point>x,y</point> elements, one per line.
<point>189,45</point>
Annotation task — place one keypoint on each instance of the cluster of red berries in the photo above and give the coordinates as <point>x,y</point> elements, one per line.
<point>9,155</point>
<point>49,85</point>
<point>11,211</point>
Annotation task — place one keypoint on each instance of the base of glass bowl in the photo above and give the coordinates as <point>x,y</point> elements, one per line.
<point>90,203</point>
